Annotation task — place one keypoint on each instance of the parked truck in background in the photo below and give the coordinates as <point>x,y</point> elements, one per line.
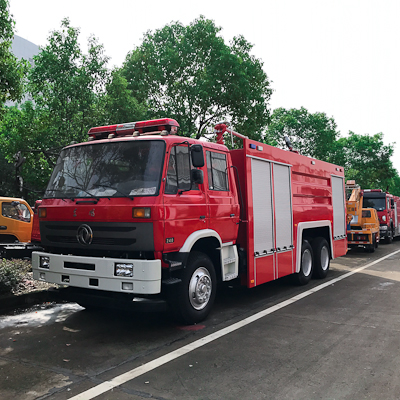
<point>388,208</point>
<point>139,215</point>
<point>16,221</point>
<point>362,223</point>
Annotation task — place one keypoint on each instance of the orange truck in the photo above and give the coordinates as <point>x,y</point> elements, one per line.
<point>16,220</point>
<point>362,223</point>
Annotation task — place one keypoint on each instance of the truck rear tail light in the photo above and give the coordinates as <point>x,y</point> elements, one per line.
<point>42,212</point>
<point>45,262</point>
<point>123,269</point>
<point>141,212</point>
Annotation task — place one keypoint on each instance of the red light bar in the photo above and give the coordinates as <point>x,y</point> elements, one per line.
<point>155,126</point>
<point>101,132</point>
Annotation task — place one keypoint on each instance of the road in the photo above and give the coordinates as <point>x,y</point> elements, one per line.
<point>333,339</point>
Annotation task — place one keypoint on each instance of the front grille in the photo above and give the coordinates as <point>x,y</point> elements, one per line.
<point>100,241</point>
<point>106,235</point>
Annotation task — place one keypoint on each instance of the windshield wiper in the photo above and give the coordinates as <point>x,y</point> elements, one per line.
<point>61,197</point>
<point>113,188</point>
<point>83,190</point>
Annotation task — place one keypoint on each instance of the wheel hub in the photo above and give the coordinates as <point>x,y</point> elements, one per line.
<point>200,288</point>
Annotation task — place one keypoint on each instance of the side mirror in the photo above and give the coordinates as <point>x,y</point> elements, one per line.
<point>196,152</point>
<point>392,203</point>
<point>197,176</point>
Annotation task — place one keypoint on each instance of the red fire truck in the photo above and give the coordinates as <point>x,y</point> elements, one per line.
<point>388,208</point>
<point>140,215</point>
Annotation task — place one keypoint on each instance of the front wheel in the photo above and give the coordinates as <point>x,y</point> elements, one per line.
<point>194,298</point>
<point>306,267</point>
<point>389,237</point>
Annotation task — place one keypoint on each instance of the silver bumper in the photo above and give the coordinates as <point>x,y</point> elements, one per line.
<point>98,273</point>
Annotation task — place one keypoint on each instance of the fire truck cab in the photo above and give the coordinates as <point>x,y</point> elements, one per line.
<point>388,208</point>
<point>140,215</point>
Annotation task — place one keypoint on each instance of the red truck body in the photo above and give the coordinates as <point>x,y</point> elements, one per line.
<point>35,236</point>
<point>388,209</point>
<point>201,214</point>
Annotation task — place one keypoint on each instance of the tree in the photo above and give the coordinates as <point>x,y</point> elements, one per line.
<point>312,135</point>
<point>119,105</point>
<point>366,159</point>
<point>67,87</point>
<point>68,83</point>
<point>23,131</point>
<point>12,71</point>
<point>190,74</point>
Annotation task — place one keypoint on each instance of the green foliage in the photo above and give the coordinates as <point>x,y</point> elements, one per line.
<point>190,74</point>
<point>67,88</point>
<point>67,84</point>
<point>25,130</point>
<point>366,159</point>
<point>119,105</point>
<point>12,71</point>
<point>313,135</point>
<point>11,272</point>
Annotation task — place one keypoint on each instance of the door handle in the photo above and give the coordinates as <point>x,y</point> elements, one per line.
<point>232,215</point>
<point>203,218</point>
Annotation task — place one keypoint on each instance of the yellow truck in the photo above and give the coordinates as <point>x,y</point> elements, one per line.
<point>16,219</point>
<point>362,223</point>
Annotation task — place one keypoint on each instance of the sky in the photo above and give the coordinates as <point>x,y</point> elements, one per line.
<point>339,57</point>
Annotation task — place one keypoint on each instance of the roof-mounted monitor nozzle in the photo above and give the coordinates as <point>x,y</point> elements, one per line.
<point>221,128</point>
<point>288,143</point>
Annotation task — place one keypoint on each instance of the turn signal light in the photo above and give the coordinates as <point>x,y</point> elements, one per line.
<point>42,212</point>
<point>141,212</point>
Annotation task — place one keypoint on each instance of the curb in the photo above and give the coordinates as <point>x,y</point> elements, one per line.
<point>11,301</point>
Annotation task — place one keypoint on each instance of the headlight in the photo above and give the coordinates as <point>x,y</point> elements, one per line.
<point>384,218</point>
<point>44,262</point>
<point>123,269</point>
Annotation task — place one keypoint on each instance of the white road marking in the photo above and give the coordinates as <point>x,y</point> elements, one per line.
<point>134,373</point>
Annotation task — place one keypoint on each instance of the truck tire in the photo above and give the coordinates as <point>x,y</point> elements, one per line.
<point>306,265</point>
<point>322,257</point>
<point>389,237</point>
<point>194,298</point>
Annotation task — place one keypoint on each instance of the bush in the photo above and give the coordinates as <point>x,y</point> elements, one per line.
<point>11,273</point>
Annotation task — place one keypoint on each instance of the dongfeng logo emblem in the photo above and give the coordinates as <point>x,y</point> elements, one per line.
<point>84,235</point>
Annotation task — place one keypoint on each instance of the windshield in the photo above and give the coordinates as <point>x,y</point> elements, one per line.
<point>119,169</point>
<point>377,203</point>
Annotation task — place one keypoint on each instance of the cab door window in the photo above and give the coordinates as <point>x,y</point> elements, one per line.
<point>217,171</point>
<point>178,174</point>
<point>16,210</point>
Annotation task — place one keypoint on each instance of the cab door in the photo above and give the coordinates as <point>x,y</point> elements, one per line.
<point>222,201</point>
<point>185,205</point>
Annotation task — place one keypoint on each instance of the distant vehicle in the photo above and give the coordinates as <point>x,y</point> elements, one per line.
<point>388,208</point>
<point>363,223</point>
<point>16,220</point>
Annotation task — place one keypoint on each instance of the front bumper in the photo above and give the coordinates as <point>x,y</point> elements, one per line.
<point>383,231</point>
<point>98,273</point>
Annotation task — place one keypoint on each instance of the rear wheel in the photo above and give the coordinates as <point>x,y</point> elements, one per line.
<point>194,298</point>
<point>306,266</point>
<point>322,257</point>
